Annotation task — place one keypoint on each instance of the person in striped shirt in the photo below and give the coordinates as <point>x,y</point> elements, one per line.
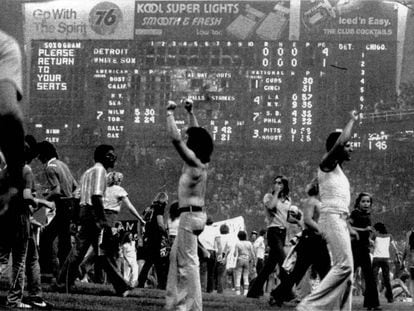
<point>95,226</point>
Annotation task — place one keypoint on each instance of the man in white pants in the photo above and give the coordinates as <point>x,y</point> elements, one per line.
<point>183,285</point>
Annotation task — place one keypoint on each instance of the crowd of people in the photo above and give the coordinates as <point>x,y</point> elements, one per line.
<point>184,253</point>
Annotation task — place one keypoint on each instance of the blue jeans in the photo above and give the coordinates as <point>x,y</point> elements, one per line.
<point>207,269</point>
<point>33,268</point>
<point>242,269</point>
<point>276,241</point>
<point>382,263</point>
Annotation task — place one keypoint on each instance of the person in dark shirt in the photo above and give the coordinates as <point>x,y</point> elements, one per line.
<point>14,220</point>
<point>154,232</point>
<point>360,220</point>
<point>11,121</point>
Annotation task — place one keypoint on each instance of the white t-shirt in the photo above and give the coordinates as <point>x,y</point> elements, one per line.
<point>224,242</point>
<point>259,247</point>
<point>113,198</point>
<point>382,247</point>
<point>207,237</point>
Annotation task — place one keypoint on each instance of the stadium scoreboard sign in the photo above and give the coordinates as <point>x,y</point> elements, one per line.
<point>260,72</point>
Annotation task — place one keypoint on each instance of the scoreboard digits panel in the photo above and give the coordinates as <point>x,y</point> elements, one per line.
<point>246,93</point>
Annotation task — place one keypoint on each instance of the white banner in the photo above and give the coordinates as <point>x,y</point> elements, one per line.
<point>235,225</point>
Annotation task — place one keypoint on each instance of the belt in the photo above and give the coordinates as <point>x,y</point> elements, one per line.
<point>190,208</point>
<point>341,215</point>
<point>277,227</point>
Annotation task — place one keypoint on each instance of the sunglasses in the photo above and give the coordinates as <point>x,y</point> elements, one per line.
<point>111,156</point>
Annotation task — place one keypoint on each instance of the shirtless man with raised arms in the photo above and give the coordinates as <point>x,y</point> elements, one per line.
<point>183,285</point>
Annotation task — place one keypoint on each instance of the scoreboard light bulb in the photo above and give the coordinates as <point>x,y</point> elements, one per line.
<point>38,125</point>
<point>78,125</point>
<point>66,126</point>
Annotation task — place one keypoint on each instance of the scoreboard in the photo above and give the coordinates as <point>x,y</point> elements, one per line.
<point>261,73</point>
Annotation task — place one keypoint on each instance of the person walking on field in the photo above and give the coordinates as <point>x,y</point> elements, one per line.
<point>14,217</point>
<point>95,226</point>
<point>61,185</point>
<point>311,250</point>
<point>245,256</point>
<point>360,220</point>
<point>183,285</point>
<point>334,292</point>
<point>277,205</point>
<point>383,241</point>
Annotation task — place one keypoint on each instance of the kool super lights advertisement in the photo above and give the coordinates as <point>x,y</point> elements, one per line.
<point>233,20</point>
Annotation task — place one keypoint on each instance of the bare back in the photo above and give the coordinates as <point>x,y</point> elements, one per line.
<point>192,186</point>
<point>311,208</point>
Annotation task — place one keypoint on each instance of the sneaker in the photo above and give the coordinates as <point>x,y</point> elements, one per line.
<point>125,293</point>
<point>38,302</point>
<point>19,305</point>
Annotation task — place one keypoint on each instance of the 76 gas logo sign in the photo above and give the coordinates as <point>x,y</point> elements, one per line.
<point>105,17</point>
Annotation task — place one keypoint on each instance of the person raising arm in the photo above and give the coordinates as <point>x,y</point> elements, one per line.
<point>183,285</point>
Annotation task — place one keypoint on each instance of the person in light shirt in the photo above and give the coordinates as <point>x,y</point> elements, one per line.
<point>334,292</point>
<point>244,254</point>
<point>277,204</point>
<point>173,221</point>
<point>259,249</point>
<point>208,265</point>
<point>116,196</point>
<point>129,254</point>
<point>383,241</point>
<point>96,226</point>
<point>222,244</point>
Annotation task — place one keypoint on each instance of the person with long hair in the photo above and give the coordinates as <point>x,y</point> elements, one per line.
<point>129,254</point>
<point>383,241</point>
<point>360,220</point>
<point>155,231</point>
<point>277,204</point>
<point>183,286</point>
<point>116,196</point>
<point>311,249</point>
<point>334,292</point>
